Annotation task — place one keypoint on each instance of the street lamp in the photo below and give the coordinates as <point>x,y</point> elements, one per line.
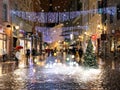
<point>113,61</point>
<point>71,36</point>
<point>17,27</point>
<point>113,32</point>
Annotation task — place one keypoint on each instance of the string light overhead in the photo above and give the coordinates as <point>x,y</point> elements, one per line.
<point>43,29</point>
<point>52,17</point>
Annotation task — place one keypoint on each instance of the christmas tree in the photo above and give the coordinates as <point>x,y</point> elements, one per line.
<point>90,57</point>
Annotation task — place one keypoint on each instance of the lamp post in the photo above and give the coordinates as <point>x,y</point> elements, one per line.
<point>113,61</point>
<point>113,32</point>
<point>17,27</point>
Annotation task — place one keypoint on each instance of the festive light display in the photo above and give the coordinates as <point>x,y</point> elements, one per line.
<point>43,29</point>
<point>55,17</point>
<point>90,57</point>
<point>54,34</point>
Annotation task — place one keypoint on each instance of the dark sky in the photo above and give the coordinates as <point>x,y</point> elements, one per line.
<point>57,5</point>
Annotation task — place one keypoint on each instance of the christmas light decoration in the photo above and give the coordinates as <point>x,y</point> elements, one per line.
<point>90,57</point>
<point>58,17</point>
<point>55,33</point>
<point>55,17</point>
<point>43,29</point>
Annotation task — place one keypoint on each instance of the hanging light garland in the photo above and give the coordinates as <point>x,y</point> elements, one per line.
<point>55,33</point>
<point>55,17</point>
<point>52,17</point>
<point>43,29</point>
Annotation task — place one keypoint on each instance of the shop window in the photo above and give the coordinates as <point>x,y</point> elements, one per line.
<point>118,11</point>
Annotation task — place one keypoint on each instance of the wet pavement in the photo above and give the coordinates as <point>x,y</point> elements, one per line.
<point>56,76</point>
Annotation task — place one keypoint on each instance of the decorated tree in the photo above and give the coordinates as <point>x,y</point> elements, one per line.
<point>90,57</point>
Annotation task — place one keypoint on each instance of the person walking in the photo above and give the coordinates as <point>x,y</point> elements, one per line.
<point>17,57</point>
<point>28,53</point>
<point>80,52</point>
<point>27,56</point>
<point>33,55</point>
<point>4,55</point>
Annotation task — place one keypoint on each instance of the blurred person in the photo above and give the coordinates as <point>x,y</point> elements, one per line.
<point>28,53</point>
<point>27,56</point>
<point>80,52</point>
<point>33,55</point>
<point>74,51</point>
<point>4,54</point>
<point>18,57</point>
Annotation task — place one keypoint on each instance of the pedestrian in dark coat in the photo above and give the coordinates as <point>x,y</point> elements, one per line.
<point>80,52</point>
<point>33,52</point>
<point>33,55</point>
<point>28,53</point>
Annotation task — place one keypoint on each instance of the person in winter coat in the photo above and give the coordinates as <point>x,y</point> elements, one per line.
<point>33,55</point>
<point>28,53</point>
<point>17,57</point>
<point>80,52</point>
<point>4,54</point>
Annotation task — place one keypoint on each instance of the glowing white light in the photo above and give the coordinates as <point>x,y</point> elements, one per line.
<point>90,74</point>
<point>73,56</point>
<point>34,70</point>
<point>55,60</point>
<point>35,60</point>
<point>17,27</point>
<point>67,59</point>
<point>71,36</point>
<point>22,65</point>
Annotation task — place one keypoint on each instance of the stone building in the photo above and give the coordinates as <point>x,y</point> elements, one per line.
<point>113,24</point>
<point>27,35</point>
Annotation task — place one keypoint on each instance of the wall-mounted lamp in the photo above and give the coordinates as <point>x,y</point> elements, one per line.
<point>17,27</point>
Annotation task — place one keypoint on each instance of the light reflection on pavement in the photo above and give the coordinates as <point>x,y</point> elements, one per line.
<point>57,77</point>
<point>40,78</point>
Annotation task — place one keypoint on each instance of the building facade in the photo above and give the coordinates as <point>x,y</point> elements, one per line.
<point>93,21</point>
<point>5,27</point>
<point>113,25</point>
<point>21,27</point>
<point>103,20</point>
